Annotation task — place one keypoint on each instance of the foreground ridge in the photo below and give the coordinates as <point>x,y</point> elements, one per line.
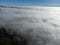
<point>7,39</point>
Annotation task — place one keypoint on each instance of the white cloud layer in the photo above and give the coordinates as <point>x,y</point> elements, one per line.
<point>44,22</point>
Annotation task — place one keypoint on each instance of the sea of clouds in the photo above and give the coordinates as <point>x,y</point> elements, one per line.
<point>39,25</point>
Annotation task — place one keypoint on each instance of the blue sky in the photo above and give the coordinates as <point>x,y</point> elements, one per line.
<point>33,2</point>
